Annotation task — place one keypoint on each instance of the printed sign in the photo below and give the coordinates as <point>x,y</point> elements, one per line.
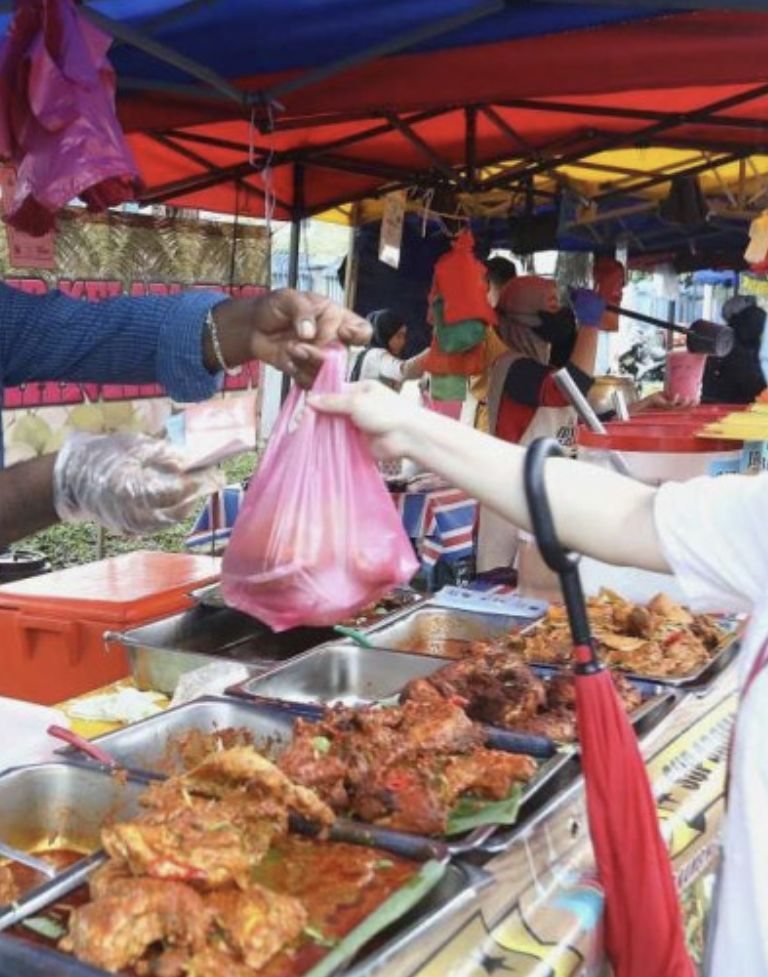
<point>25,251</point>
<point>391,236</point>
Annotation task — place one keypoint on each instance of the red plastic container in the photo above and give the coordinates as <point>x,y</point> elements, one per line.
<point>52,626</point>
<point>703,414</point>
<point>658,453</point>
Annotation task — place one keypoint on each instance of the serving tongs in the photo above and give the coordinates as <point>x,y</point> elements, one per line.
<point>30,861</point>
<point>568,388</point>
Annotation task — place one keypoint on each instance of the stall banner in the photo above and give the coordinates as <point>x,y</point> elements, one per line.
<point>538,913</point>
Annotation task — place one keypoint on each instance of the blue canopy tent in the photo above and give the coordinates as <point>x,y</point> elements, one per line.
<point>299,107</point>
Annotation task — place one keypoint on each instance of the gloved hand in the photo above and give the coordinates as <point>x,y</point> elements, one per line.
<point>588,307</point>
<point>126,483</point>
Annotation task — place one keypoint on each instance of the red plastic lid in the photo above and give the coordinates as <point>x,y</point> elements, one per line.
<point>705,412</point>
<point>660,438</point>
<point>131,587</point>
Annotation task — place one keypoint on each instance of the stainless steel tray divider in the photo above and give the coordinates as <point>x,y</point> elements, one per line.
<point>67,800</point>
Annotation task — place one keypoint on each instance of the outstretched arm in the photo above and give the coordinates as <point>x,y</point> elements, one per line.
<point>596,512</point>
<point>26,499</point>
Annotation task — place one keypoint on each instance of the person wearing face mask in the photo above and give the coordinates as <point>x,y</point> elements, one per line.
<point>738,377</point>
<point>524,402</point>
<point>499,272</point>
<point>383,359</point>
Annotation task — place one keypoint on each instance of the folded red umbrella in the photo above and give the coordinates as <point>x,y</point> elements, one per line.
<point>643,926</point>
<point>58,124</point>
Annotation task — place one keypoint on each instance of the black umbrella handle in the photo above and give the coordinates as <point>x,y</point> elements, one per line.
<point>558,559</point>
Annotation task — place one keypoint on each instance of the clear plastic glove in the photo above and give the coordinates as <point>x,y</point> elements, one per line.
<point>127,483</point>
<point>588,307</point>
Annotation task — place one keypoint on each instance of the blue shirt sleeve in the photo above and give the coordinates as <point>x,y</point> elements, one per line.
<point>144,339</point>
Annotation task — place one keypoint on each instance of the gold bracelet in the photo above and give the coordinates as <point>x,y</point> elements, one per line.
<point>213,331</point>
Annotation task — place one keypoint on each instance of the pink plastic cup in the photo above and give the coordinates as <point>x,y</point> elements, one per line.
<point>685,371</point>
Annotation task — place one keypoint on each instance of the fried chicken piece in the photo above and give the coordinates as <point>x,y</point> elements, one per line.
<point>557,724</point>
<point>492,687</point>
<point>561,692</point>
<point>194,746</point>
<point>487,773</point>
<point>210,962</point>
<point>639,623</point>
<point>630,695</point>
<point>707,629</point>
<point>258,923</point>
<point>195,842</point>
<point>114,932</point>
<point>106,877</point>
<point>439,728</point>
<point>243,769</point>
<point>405,797</point>
<point>9,890</point>
<point>309,760</point>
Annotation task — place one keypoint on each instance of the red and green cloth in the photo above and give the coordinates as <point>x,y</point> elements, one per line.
<point>460,314</point>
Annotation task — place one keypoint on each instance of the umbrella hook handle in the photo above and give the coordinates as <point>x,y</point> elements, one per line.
<point>564,563</point>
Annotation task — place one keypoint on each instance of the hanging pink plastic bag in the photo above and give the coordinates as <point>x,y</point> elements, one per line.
<point>58,123</point>
<point>317,537</point>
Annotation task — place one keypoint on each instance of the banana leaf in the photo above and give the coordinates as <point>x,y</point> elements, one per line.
<point>471,812</point>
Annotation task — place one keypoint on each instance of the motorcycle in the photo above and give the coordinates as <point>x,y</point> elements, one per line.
<point>643,364</point>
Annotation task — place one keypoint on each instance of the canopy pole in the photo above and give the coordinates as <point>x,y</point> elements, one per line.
<point>294,246</point>
<point>470,151</point>
<point>350,271</point>
<point>124,32</point>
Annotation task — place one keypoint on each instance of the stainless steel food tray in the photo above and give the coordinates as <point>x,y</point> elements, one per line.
<point>722,657</point>
<point>211,596</point>
<point>342,672</point>
<point>440,632</point>
<point>147,746</point>
<point>56,800</point>
<point>161,652</point>
<point>356,676</point>
<point>456,889</point>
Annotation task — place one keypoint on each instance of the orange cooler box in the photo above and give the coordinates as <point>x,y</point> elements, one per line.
<point>52,626</point>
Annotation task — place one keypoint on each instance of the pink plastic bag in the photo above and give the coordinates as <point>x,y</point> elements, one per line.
<point>58,124</point>
<point>318,536</point>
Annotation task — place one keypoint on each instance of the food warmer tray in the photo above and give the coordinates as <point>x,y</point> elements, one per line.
<point>429,627</point>
<point>456,889</point>
<point>355,676</point>
<point>211,596</point>
<point>723,655</point>
<point>441,631</point>
<point>145,747</point>
<point>161,652</point>
<point>438,890</point>
<point>60,801</point>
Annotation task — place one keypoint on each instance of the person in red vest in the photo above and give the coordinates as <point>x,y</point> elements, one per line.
<point>523,400</point>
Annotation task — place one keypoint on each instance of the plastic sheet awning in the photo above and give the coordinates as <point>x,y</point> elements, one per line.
<point>299,107</point>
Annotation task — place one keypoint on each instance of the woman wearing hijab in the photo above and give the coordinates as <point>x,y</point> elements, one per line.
<point>738,377</point>
<point>383,359</point>
<point>524,402</point>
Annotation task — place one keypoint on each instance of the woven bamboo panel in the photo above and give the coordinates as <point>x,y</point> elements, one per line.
<point>138,248</point>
